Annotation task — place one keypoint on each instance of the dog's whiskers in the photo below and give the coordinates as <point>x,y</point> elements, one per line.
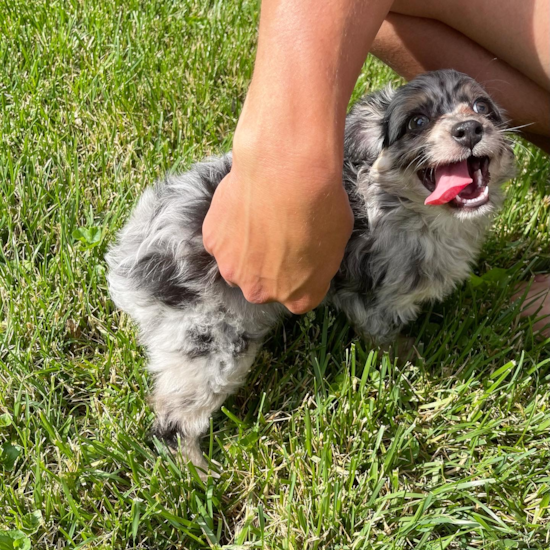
<point>202,336</point>
<point>514,128</point>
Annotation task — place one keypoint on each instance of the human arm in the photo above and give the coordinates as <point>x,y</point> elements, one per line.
<point>279,222</point>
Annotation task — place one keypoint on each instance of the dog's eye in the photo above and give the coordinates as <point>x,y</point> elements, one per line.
<point>418,122</point>
<point>481,107</point>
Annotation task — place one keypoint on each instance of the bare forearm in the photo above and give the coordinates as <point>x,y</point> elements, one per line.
<point>309,56</point>
<point>280,221</point>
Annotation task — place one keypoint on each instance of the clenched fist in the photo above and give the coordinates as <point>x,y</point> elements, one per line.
<point>278,227</point>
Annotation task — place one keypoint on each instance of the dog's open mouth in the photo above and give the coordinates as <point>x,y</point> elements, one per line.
<point>461,184</point>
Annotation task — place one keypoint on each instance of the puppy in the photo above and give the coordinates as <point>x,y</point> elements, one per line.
<point>423,169</point>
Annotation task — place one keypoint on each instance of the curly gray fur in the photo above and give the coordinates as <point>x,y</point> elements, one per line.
<point>202,335</point>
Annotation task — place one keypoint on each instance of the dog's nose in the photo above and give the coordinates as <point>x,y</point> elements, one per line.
<point>468,133</point>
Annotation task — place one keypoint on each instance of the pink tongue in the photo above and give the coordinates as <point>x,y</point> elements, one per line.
<point>450,180</point>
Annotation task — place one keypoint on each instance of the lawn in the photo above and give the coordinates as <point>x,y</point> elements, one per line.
<point>330,445</point>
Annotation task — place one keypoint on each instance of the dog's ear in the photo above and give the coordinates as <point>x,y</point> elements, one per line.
<point>365,127</point>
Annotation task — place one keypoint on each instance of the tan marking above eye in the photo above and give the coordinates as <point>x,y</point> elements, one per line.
<point>462,109</point>
<point>465,110</point>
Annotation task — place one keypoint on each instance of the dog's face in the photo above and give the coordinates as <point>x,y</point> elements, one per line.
<point>418,135</point>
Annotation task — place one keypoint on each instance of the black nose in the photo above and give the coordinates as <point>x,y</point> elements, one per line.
<point>468,133</point>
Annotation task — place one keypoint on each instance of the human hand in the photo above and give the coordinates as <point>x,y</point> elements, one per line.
<point>279,223</point>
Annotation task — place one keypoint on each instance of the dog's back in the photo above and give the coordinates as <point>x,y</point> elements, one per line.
<point>202,335</point>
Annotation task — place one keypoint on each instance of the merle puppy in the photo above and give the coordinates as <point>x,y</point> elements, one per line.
<point>423,168</point>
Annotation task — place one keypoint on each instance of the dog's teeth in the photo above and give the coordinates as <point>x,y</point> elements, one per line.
<point>478,177</point>
<point>478,201</point>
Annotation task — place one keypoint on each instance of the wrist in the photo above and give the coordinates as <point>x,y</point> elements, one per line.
<point>294,165</point>
<point>289,130</point>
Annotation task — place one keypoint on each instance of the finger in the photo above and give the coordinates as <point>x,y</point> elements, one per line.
<point>256,296</point>
<point>211,226</point>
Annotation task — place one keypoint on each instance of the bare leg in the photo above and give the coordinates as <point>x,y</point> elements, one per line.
<point>537,302</point>
<point>542,142</point>
<point>517,32</point>
<point>412,45</point>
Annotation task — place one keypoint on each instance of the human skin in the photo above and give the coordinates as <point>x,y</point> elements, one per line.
<point>535,297</point>
<point>279,222</point>
<point>411,45</point>
<point>515,32</point>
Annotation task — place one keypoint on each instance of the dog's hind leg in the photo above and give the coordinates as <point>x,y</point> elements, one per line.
<point>193,382</point>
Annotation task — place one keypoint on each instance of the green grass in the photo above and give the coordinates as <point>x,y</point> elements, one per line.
<point>329,445</point>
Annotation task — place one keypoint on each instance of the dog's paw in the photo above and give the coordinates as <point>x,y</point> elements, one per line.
<point>186,448</point>
<point>401,349</point>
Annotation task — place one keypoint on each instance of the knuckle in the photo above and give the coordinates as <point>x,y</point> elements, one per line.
<point>256,292</point>
<point>227,273</point>
<point>255,295</point>
<point>297,310</point>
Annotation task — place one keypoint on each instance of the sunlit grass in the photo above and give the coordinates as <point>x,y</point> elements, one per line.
<point>329,445</point>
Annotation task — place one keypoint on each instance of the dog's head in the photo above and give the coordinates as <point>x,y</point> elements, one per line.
<point>430,138</point>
